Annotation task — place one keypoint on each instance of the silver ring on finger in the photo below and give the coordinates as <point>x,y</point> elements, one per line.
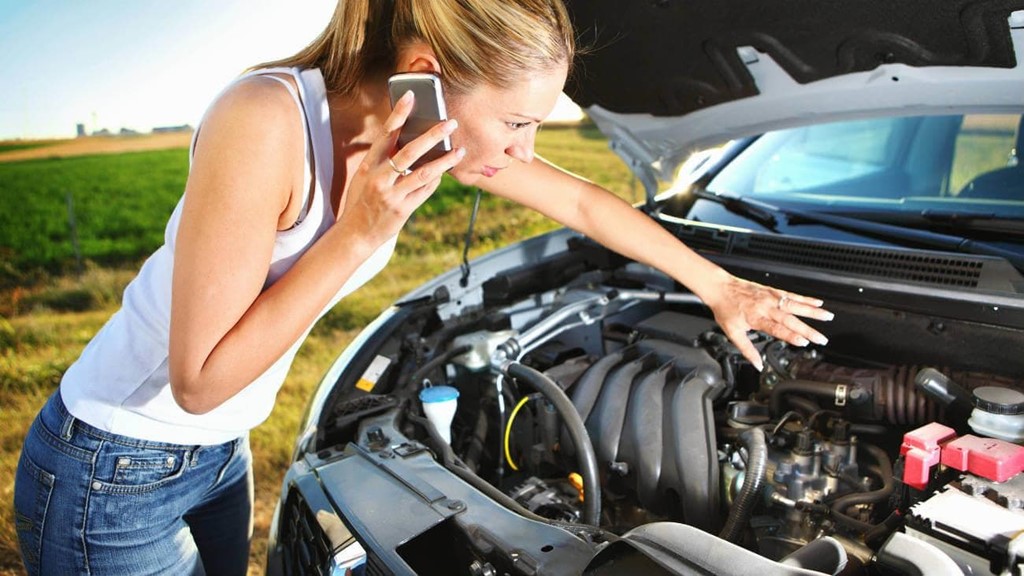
<point>399,171</point>
<point>782,301</point>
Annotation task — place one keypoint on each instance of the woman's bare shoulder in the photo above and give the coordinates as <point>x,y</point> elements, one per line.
<point>256,106</point>
<point>250,147</point>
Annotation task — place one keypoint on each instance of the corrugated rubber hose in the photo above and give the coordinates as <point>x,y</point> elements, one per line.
<point>753,480</point>
<point>585,456</point>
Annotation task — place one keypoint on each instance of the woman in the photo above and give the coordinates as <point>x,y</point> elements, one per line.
<point>296,192</point>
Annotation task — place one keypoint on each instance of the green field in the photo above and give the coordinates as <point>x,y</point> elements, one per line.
<point>11,146</point>
<point>121,202</point>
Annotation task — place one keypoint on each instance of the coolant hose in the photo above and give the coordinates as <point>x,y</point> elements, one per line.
<point>452,463</point>
<point>884,471</point>
<point>586,459</point>
<point>437,361</point>
<point>753,480</point>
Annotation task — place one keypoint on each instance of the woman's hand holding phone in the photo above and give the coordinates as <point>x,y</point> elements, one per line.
<point>389,185</point>
<point>428,110</point>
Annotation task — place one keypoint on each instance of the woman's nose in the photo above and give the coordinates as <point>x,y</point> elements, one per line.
<point>522,148</point>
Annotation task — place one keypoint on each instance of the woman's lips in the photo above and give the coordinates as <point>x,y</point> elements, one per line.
<point>489,171</point>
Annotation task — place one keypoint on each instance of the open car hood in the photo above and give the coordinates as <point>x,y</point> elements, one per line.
<point>665,78</point>
<point>593,417</point>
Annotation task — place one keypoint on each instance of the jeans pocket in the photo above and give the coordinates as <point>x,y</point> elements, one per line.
<point>32,489</point>
<point>137,470</point>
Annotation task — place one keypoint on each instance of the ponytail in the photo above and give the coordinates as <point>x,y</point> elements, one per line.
<point>476,41</point>
<point>355,43</point>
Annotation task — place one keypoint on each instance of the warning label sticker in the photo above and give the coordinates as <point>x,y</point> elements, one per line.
<point>373,372</point>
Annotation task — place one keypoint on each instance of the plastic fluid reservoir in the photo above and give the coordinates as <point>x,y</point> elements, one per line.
<point>439,404</point>
<point>998,413</point>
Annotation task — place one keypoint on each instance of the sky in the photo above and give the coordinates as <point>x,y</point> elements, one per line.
<point>137,64</point>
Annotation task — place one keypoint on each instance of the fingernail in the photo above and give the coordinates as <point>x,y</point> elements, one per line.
<point>450,126</point>
<point>406,97</point>
<point>759,365</point>
<point>820,339</point>
<point>828,317</point>
<point>460,152</point>
<point>801,341</point>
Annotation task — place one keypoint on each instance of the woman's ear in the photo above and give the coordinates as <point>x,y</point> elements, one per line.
<point>418,57</point>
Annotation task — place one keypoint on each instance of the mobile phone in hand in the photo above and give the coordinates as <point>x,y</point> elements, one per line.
<point>427,112</point>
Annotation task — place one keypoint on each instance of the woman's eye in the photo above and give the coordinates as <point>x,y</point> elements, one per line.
<point>517,125</point>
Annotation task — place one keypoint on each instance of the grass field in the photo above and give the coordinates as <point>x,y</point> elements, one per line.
<point>17,150</point>
<point>48,313</point>
<point>16,146</point>
<point>120,203</point>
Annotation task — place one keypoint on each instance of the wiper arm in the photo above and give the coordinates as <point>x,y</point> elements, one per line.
<point>983,222</point>
<point>890,232</point>
<point>763,214</point>
<point>947,216</point>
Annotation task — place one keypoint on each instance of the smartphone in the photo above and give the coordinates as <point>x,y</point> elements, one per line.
<point>427,112</point>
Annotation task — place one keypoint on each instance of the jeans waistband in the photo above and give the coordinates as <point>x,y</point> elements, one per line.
<point>60,421</point>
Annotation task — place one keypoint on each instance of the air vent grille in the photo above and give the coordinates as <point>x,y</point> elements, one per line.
<point>891,264</point>
<point>364,405</point>
<point>374,566</point>
<point>703,239</point>
<point>306,549</point>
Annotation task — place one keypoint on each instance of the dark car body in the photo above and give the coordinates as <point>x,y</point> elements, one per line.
<point>604,424</point>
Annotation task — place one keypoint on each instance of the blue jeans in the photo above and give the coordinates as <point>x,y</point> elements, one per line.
<point>90,502</point>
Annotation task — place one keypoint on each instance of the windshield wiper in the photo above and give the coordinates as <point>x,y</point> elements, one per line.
<point>980,222</point>
<point>988,223</point>
<point>892,232</point>
<point>763,214</point>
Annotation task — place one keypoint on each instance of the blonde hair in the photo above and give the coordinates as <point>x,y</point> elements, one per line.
<point>475,41</point>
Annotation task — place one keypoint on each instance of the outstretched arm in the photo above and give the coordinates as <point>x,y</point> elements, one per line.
<point>738,305</point>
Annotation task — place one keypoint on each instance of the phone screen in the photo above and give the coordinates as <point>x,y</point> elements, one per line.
<point>428,110</point>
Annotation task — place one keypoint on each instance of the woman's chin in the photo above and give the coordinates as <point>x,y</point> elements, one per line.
<point>464,177</point>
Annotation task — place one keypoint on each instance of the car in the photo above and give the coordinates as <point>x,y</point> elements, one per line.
<point>555,408</point>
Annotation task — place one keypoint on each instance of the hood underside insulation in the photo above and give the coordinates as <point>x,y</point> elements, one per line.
<point>683,54</point>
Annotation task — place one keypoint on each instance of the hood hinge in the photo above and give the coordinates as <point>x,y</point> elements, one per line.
<point>639,158</point>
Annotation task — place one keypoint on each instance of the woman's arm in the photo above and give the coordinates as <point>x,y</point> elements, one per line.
<point>738,305</point>
<point>225,330</point>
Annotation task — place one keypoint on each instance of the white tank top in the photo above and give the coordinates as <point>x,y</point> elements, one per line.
<point>120,382</point>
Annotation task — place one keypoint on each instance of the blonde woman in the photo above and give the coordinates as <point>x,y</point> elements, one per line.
<point>296,192</point>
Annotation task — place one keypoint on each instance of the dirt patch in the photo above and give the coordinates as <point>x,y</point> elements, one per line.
<point>100,145</point>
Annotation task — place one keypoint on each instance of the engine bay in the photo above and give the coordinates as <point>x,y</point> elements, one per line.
<point>603,424</point>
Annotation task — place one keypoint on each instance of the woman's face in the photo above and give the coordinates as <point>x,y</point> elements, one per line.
<point>497,126</point>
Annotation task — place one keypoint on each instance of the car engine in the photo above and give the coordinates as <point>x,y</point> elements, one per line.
<point>602,406</point>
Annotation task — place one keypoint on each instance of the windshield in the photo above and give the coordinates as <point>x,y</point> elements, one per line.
<point>963,164</point>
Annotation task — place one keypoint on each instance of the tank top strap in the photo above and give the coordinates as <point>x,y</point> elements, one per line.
<point>318,116</point>
<point>298,96</point>
<point>309,179</point>
<point>310,176</point>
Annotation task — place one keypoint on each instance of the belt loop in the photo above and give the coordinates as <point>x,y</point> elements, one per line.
<point>67,427</point>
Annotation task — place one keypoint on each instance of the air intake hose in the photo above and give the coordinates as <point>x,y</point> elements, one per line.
<point>587,460</point>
